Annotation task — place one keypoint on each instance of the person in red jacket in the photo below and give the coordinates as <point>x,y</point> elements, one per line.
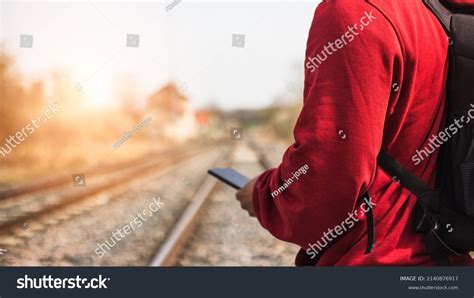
<point>375,78</point>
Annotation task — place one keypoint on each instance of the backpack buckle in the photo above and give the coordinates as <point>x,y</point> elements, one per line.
<point>426,212</point>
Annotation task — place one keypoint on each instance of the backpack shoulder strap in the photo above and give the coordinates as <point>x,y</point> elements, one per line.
<point>434,245</point>
<point>443,14</point>
<point>399,173</point>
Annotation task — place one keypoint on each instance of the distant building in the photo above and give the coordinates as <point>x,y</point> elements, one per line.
<point>173,117</point>
<point>204,118</point>
<point>210,123</point>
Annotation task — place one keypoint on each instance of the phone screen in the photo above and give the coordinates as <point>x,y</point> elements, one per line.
<point>229,176</point>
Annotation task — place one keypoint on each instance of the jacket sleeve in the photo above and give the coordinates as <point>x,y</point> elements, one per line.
<point>338,133</point>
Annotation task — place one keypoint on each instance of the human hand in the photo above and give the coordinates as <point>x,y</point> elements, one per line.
<point>244,196</point>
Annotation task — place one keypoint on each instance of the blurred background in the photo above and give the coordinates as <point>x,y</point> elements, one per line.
<point>132,79</point>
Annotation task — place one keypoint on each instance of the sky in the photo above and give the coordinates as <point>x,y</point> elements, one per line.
<point>188,42</point>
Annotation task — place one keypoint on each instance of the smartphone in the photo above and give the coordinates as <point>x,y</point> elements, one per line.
<point>229,176</point>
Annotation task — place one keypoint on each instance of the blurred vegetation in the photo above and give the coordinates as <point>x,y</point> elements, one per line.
<point>76,138</point>
<point>16,100</point>
<point>280,120</point>
<point>276,121</point>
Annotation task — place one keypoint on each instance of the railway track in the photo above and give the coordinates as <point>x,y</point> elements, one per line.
<point>67,233</point>
<point>182,232</point>
<point>54,195</point>
<point>179,234</point>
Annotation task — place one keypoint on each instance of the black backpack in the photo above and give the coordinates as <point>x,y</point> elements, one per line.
<point>445,215</point>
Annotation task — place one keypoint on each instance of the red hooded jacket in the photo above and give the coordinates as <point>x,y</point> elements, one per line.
<point>375,78</point>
